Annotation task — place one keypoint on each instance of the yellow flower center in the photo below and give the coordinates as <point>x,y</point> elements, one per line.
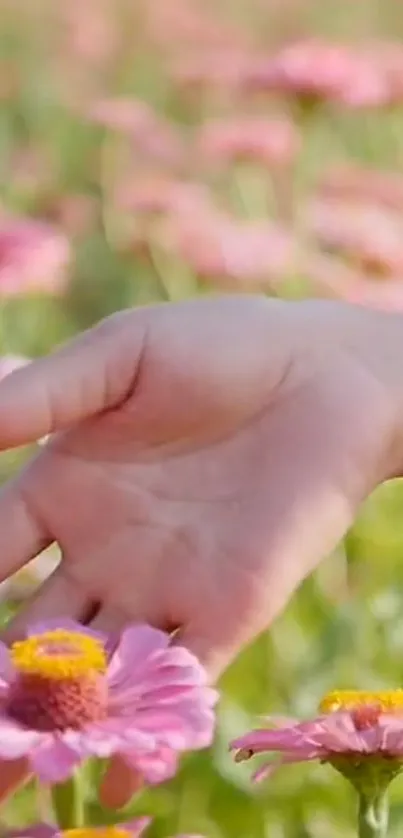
<point>60,681</point>
<point>58,655</point>
<point>388,701</point>
<point>97,832</point>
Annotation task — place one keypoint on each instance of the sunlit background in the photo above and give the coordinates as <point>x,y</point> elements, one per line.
<point>155,149</point>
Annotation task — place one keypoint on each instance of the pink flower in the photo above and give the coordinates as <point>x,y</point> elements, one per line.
<point>132,829</point>
<point>367,234</point>
<point>155,195</point>
<point>65,696</point>
<point>33,257</point>
<point>150,134</point>
<point>219,72</point>
<point>270,141</point>
<point>356,183</point>
<point>315,70</point>
<point>353,726</point>
<point>330,277</point>
<point>384,296</point>
<point>182,25</point>
<point>230,252</point>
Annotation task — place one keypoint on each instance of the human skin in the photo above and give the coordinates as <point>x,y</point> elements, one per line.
<point>204,456</point>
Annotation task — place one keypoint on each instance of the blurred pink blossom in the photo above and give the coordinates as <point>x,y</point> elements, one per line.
<point>233,253</point>
<point>357,183</point>
<point>220,73</point>
<point>313,69</point>
<point>33,257</point>
<point>159,194</point>
<point>30,169</point>
<point>74,213</point>
<point>89,31</point>
<point>329,277</point>
<point>272,141</point>
<point>188,25</point>
<point>150,134</point>
<point>152,200</point>
<point>384,296</point>
<point>367,234</point>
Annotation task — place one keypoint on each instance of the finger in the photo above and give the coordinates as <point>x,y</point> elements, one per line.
<point>13,775</point>
<point>57,598</point>
<point>92,373</point>
<point>110,620</point>
<point>23,535</point>
<point>119,784</point>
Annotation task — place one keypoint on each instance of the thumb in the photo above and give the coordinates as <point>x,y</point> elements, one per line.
<point>92,373</point>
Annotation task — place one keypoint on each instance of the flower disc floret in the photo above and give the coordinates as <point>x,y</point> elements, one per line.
<point>131,829</point>
<point>388,701</point>
<point>97,832</point>
<point>59,654</point>
<point>69,693</point>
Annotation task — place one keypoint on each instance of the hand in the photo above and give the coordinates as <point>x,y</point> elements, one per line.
<point>204,457</point>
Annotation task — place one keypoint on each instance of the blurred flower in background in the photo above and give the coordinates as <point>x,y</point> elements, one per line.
<point>315,70</point>
<point>370,236</point>
<point>33,257</point>
<point>269,141</point>
<point>150,135</point>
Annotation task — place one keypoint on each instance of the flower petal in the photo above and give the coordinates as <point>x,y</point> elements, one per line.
<point>337,733</point>
<point>16,741</point>
<point>267,770</point>
<point>155,767</point>
<point>37,830</point>
<point>131,658</point>
<point>391,735</point>
<point>137,826</point>
<point>7,672</point>
<point>54,761</point>
<point>270,739</point>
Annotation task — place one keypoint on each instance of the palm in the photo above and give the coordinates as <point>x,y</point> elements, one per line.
<point>201,500</point>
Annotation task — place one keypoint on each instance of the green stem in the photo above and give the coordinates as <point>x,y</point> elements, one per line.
<point>68,803</point>
<point>373,817</point>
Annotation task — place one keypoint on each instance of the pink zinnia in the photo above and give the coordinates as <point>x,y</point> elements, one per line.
<point>270,141</point>
<point>357,183</point>
<point>66,697</point>
<point>233,253</point>
<point>315,70</point>
<point>354,726</point>
<point>132,829</point>
<point>150,133</point>
<point>155,195</point>
<point>218,72</point>
<point>33,257</point>
<point>366,233</point>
